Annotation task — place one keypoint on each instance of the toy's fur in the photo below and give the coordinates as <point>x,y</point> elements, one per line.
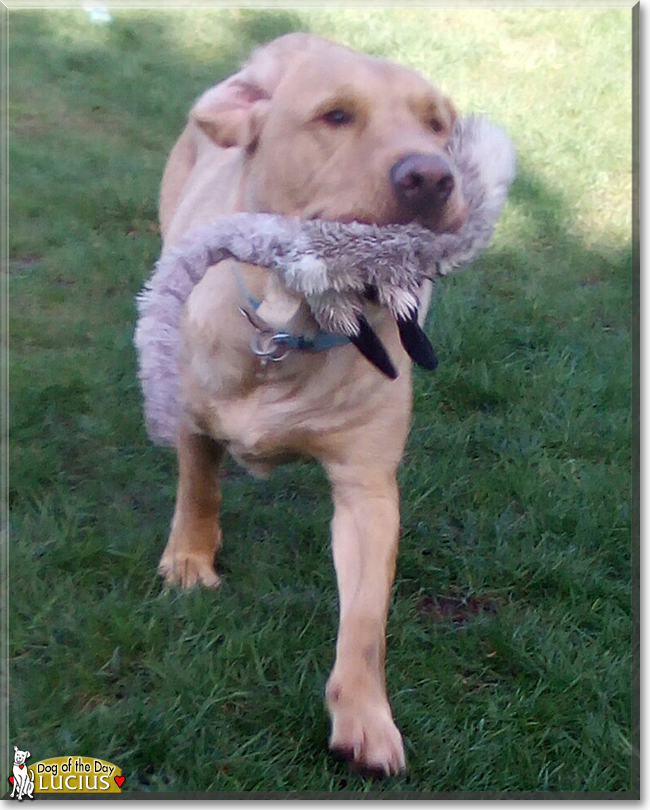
<point>328,264</point>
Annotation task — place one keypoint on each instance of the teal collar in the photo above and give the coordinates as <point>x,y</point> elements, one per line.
<point>275,344</point>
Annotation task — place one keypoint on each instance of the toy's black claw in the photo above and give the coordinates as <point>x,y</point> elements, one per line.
<point>416,343</point>
<point>373,349</point>
<point>371,294</point>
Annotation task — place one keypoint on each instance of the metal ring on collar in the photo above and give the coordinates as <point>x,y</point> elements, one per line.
<point>267,346</point>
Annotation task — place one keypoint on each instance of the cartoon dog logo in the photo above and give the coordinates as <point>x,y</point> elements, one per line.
<point>23,777</point>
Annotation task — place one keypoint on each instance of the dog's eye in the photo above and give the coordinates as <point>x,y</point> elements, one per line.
<point>338,118</point>
<point>436,125</point>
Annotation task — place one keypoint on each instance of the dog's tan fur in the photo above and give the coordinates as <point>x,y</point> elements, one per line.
<point>259,142</point>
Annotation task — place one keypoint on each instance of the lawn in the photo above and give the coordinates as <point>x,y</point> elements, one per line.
<point>510,634</point>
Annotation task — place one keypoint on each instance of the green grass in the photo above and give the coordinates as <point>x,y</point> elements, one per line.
<point>516,483</point>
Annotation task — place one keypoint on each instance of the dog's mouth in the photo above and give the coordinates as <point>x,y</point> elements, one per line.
<point>425,190</point>
<point>436,223</point>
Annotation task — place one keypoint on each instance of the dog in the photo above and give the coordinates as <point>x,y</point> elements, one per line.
<point>312,129</point>
<point>23,776</point>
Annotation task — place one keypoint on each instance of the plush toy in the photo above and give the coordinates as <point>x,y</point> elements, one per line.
<point>334,267</point>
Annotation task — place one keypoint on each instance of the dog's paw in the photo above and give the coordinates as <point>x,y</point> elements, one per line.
<point>186,570</point>
<point>367,737</point>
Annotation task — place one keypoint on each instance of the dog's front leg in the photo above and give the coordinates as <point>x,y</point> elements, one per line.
<point>365,531</point>
<point>195,536</point>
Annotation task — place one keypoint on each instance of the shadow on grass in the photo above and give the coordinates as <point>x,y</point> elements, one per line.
<point>140,58</point>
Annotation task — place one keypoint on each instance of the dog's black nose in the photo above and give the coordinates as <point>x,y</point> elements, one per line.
<point>423,182</point>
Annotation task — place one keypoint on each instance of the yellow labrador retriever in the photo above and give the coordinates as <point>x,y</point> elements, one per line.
<point>312,129</point>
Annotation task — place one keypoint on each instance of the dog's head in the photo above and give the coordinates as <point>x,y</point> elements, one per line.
<point>20,757</point>
<point>330,133</point>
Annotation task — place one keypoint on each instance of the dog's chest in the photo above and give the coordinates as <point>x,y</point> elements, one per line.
<point>270,426</point>
<point>270,421</point>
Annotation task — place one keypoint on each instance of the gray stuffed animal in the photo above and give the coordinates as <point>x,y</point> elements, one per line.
<point>334,267</point>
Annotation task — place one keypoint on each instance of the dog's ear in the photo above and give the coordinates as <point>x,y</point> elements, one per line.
<point>27,755</point>
<point>232,113</point>
<point>15,747</point>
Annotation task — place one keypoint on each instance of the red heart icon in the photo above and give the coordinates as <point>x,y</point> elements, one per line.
<point>21,767</point>
<point>11,780</point>
<point>119,780</point>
